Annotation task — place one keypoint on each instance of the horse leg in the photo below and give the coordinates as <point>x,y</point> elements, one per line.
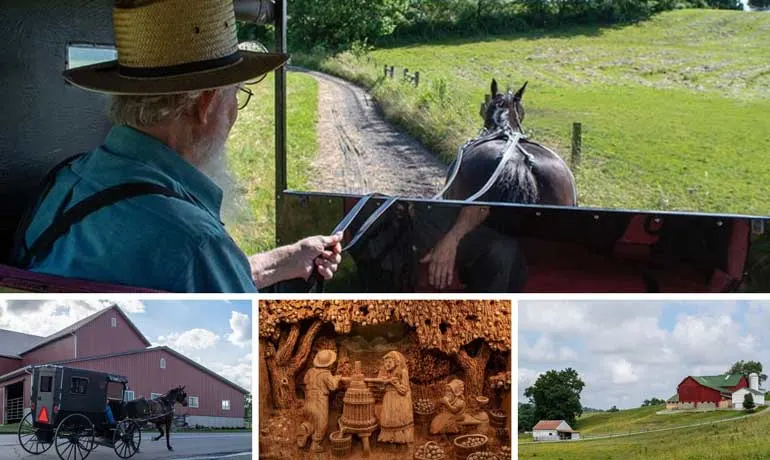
<point>168,434</point>
<point>160,428</point>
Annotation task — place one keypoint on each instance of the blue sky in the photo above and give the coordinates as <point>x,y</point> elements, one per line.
<point>627,352</point>
<point>217,334</point>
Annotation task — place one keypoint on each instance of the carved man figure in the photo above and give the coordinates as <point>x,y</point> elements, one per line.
<point>319,382</point>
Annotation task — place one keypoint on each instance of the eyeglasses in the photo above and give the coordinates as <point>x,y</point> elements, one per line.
<point>244,96</point>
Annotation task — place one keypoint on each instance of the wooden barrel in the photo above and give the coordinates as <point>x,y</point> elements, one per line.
<point>462,452</point>
<point>497,418</point>
<point>341,444</point>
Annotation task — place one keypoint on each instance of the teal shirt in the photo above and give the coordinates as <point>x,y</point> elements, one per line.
<point>149,241</point>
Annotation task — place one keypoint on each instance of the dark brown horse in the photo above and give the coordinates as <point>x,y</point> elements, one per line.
<point>530,174</point>
<point>159,411</point>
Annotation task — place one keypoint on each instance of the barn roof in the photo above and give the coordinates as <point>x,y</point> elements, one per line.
<point>552,425</point>
<point>12,344</point>
<point>80,324</point>
<point>721,383</point>
<point>170,351</point>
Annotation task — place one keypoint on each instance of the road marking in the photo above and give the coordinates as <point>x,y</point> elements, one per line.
<point>209,457</point>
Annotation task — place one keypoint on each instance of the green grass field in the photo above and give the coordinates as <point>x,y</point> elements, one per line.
<point>251,155</point>
<point>737,440</point>
<point>674,109</point>
<point>643,419</point>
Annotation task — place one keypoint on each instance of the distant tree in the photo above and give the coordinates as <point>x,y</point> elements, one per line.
<point>556,395</point>
<point>759,3</point>
<point>748,367</point>
<point>748,402</point>
<point>247,409</point>
<point>653,402</point>
<point>725,4</point>
<point>526,417</point>
<point>613,409</point>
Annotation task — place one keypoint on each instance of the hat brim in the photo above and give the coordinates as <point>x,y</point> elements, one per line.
<point>105,77</point>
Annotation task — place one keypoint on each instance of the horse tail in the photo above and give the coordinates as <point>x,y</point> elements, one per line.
<point>516,183</point>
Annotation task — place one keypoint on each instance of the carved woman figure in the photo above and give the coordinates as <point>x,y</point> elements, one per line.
<point>319,382</point>
<point>453,409</point>
<point>396,418</point>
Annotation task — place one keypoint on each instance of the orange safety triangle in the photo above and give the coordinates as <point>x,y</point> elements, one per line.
<point>43,416</point>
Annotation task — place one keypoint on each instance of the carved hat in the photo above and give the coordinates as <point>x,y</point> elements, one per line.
<point>174,46</point>
<point>457,386</point>
<point>324,358</point>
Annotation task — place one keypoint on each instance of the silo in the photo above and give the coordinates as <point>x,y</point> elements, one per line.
<point>754,381</point>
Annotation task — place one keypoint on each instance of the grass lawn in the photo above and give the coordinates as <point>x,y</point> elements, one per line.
<point>251,155</point>
<point>643,419</point>
<point>9,428</point>
<point>739,440</point>
<point>674,109</point>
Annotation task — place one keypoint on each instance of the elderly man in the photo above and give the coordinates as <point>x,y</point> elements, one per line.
<point>143,209</point>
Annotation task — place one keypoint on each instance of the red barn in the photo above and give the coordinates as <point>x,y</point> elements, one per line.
<point>710,388</point>
<point>108,341</point>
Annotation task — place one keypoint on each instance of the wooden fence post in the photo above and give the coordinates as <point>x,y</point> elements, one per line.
<point>386,70</point>
<point>577,143</point>
<point>416,79</point>
<point>391,71</point>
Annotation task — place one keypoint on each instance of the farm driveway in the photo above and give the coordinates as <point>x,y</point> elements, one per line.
<point>187,446</point>
<point>360,152</point>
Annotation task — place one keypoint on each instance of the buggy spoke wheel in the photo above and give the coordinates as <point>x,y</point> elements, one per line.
<point>33,440</point>
<point>127,438</point>
<point>74,437</point>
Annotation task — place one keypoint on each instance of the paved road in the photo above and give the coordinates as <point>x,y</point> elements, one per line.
<point>187,446</point>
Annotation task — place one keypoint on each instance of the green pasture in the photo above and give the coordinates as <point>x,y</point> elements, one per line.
<point>644,419</point>
<point>251,156</point>
<point>674,109</point>
<point>744,439</point>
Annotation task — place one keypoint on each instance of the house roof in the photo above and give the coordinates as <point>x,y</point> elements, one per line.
<point>753,392</point>
<point>673,399</point>
<point>12,344</point>
<point>552,425</point>
<point>170,351</point>
<point>78,325</point>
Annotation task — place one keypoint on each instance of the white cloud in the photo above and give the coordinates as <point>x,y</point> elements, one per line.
<point>545,350</point>
<point>622,371</point>
<point>240,324</point>
<point>237,373</point>
<point>45,317</point>
<point>627,352</point>
<point>194,339</point>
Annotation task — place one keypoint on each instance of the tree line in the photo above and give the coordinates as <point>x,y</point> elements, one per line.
<point>335,25</point>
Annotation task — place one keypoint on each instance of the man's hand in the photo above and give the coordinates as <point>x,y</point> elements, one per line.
<point>442,261</point>
<point>322,253</point>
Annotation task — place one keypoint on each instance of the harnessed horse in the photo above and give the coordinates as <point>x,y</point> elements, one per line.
<point>159,411</point>
<point>503,165</point>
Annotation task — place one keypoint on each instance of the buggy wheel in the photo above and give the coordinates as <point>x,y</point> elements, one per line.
<point>34,440</point>
<point>127,438</point>
<point>74,437</point>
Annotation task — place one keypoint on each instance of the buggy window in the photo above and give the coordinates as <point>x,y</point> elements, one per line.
<point>82,54</point>
<point>46,384</point>
<point>79,385</point>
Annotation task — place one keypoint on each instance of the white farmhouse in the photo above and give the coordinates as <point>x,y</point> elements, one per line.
<point>554,430</point>
<point>753,388</point>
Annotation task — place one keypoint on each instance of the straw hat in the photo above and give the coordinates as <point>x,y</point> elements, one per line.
<point>324,358</point>
<point>174,46</point>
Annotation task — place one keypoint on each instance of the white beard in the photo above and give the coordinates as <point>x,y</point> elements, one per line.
<point>214,165</point>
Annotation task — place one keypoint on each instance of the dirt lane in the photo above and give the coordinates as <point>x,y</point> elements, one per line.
<point>360,152</point>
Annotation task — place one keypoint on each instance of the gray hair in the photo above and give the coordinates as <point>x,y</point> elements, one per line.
<point>143,111</point>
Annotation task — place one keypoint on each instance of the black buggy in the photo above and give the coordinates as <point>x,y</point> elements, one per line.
<point>69,409</point>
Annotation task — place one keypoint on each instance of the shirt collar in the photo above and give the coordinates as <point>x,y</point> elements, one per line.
<point>126,141</point>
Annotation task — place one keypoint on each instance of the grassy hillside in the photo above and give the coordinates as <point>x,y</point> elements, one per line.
<point>738,440</point>
<point>674,109</point>
<point>251,155</point>
<point>643,419</point>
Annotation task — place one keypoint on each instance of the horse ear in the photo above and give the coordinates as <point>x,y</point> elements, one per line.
<point>520,93</point>
<point>493,88</point>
